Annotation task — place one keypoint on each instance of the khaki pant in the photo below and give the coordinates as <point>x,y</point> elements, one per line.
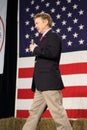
<point>53,99</point>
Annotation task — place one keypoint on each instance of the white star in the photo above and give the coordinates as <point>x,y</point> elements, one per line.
<point>63,8</point>
<point>69,14</point>
<point>27,9</point>
<point>42,11</point>
<point>69,43</point>
<point>75,6</point>
<point>27,23</point>
<point>75,20</point>
<point>32,15</point>
<point>27,36</point>
<point>81,41</point>
<point>27,50</point>
<point>81,12</point>
<point>53,24</point>
<point>69,29</point>
<point>81,27</point>
<point>68,1</point>
<point>64,36</point>
<point>42,0</point>
<point>64,22</point>
<point>58,2</point>
<point>37,7</point>
<point>58,30</point>
<point>47,4</point>
<point>75,35</point>
<point>58,16</point>
<point>32,28</point>
<point>32,2</point>
<point>52,10</point>
<point>36,34</point>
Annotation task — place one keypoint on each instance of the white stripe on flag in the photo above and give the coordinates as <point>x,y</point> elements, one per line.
<point>24,83</point>
<point>66,58</point>
<point>68,103</point>
<point>69,80</point>
<point>75,80</point>
<point>73,57</point>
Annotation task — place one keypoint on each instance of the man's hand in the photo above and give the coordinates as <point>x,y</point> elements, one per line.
<point>32,47</point>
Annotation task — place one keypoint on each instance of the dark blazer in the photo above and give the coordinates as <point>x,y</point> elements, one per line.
<point>46,72</point>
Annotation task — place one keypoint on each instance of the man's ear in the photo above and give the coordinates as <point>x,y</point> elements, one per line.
<point>46,21</point>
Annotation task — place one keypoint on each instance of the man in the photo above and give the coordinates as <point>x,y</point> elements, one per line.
<point>47,82</point>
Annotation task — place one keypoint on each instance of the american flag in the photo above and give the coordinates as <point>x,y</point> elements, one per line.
<point>70,22</point>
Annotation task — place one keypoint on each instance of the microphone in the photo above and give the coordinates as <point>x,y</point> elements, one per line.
<point>32,39</point>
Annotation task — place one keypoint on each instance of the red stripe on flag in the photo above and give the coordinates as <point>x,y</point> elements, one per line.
<point>22,113</point>
<point>75,113</point>
<point>76,91</point>
<point>25,113</point>
<point>25,94</point>
<point>25,72</point>
<point>75,68</point>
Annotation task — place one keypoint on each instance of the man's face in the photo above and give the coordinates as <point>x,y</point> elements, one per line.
<point>40,24</point>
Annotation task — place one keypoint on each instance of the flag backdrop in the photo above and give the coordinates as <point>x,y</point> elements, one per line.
<point>3,11</point>
<point>70,22</point>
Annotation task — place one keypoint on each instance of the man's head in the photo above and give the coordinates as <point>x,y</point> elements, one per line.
<point>43,21</point>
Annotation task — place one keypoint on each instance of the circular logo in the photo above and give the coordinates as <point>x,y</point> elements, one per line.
<point>1,33</point>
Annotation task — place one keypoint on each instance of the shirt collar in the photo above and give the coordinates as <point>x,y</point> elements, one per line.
<point>46,31</point>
